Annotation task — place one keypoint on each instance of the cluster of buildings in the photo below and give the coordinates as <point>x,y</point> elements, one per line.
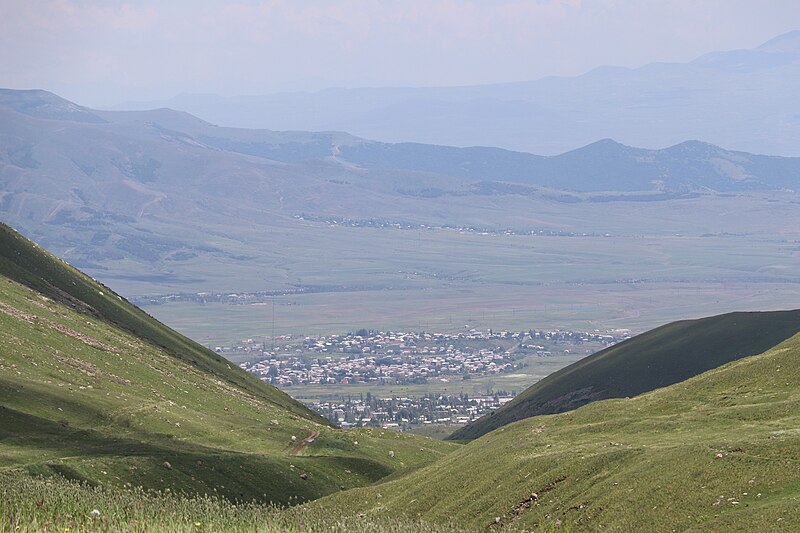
<point>385,223</point>
<point>374,358</point>
<point>403,357</point>
<point>406,413</point>
<point>401,369</point>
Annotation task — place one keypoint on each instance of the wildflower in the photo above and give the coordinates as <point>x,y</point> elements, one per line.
<point>198,524</point>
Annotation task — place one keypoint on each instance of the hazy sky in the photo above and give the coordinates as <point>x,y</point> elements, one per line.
<point>104,52</point>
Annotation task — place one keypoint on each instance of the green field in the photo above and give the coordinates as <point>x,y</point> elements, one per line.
<point>635,306</point>
<point>662,261</point>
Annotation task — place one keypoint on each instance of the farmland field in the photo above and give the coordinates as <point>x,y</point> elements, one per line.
<point>440,279</point>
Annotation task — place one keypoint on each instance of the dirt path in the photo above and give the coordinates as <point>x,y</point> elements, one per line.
<point>305,442</point>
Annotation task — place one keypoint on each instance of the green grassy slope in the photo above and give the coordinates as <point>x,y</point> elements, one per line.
<point>718,452</point>
<point>30,265</point>
<point>661,357</point>
<point>34,505</point>
<point>93,389</point>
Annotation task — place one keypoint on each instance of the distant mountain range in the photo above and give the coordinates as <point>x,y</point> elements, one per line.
<point>147,186</point>
<point>604,165</point>
<point>742,99</point>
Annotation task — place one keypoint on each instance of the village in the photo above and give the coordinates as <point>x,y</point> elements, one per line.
<point>367,358</point>
<point>403,358</point>
<point>406,413</point>
<point>383,223</point>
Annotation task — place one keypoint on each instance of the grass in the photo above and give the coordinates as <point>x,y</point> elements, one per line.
<point>34,504</point>
<point>661,357</point>
<point>101,403</point>
<point>719,452</point>
<point>26,263</point>
<point>436,431</point>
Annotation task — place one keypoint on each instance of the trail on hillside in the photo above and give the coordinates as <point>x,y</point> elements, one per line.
<point>305,442</point>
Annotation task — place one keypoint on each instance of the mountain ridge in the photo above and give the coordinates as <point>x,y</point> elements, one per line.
<point>551,115</point>
<point>161,194</point>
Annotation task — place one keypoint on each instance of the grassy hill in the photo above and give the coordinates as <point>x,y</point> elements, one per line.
<point>718,452</point>
<point>94,390</point>
<point>660,357</point>
<point>30,265</point>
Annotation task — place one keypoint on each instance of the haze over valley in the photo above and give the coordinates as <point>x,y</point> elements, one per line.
<point>740,99</point>
<point>428,298</point>
<point>344,233</point>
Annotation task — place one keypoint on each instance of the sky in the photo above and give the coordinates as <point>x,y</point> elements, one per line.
<point>101,53</point>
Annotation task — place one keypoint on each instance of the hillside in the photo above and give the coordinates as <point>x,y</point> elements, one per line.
<point>719,452</point>
<point>33,267</point>
<point>658,358</point>
<point>93,389</point>
<point>741,99</point>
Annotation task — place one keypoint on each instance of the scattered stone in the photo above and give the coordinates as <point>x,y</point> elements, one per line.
<point>167,465</point>
<point>391,453</point>
<point>304,476</point>
<point>294,438</point>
